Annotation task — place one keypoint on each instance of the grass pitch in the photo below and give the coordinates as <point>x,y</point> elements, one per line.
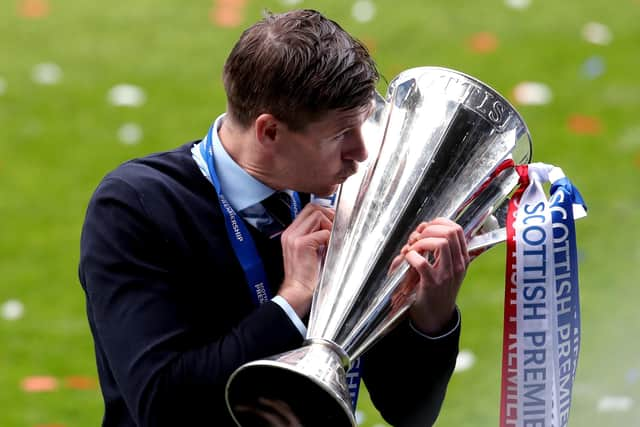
<point>59,138</point>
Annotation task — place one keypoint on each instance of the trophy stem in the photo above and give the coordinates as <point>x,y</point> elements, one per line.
<point>303,387</point>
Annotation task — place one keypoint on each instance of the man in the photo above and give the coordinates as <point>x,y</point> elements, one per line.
<point>188,276</point>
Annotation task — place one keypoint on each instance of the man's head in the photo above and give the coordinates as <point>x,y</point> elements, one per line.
<point>296,66</point>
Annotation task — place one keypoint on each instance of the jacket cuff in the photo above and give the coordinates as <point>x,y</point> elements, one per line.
<point>449,329</point>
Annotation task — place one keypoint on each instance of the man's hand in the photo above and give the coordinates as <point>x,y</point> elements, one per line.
<point>302,245</point>
<point>437,251</point>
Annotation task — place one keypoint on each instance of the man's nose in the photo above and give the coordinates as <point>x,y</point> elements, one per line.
<point>356,149</point>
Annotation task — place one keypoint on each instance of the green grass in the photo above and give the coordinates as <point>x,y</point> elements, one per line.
<point>57,141</point>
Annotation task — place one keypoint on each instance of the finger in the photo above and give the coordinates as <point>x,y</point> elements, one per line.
<point>439,247</point>
<point>464,250</point>
<point>413,237</point>
<point>421,267</point>
<point>457,244</point>
<point>459,230</point>
<point>314,240</point>
<point>396,262</point>
<point>310,208</point>
<point>315,220</point>
<point>308,211</point>
<point>421,226</point>
<point>430,244</point>
<point>443,221</point>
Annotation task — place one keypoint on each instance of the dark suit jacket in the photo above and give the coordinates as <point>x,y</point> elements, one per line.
<point>172,316</point>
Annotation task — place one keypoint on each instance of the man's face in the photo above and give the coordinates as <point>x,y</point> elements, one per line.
<point>325,153</point>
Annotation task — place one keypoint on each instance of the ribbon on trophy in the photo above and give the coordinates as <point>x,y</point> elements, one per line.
<point>541,337</point>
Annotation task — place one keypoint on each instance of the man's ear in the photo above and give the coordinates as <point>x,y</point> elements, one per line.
<point>267,129</point>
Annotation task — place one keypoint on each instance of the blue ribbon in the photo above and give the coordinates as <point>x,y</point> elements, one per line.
<point>564,195</point>
<point>572,191</point>
<point>353,381</point>
<point>295,203</point>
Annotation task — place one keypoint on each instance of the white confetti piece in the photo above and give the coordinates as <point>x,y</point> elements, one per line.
<point>12,310</point>
<point>290,2</point>
<point>361,417</point>
<point>532,93</point>
<point>3,86</point>
<point>465,361</point>
<point>518,4</point>
<point>126,95</point>
<point>597,33</point>
<point>363,10</point>
<point>130,133</point>
<point>614,404</point>
<point>46,73</point>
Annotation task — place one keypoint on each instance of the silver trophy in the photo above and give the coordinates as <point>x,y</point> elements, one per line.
<point>446,146</point>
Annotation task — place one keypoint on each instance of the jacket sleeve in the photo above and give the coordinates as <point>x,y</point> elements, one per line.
<point>407,373</point>
<point>146,340</point>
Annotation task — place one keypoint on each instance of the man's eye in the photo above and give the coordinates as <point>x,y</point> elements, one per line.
<point>340,136</point>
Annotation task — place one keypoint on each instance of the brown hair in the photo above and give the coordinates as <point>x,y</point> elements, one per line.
<point>297,66</point>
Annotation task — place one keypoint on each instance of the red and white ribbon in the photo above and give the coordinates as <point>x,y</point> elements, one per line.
<point>541,314</point>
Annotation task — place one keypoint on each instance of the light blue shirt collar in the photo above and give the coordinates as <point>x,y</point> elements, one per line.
<point>241,189</point>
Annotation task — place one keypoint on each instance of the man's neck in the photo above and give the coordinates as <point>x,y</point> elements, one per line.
<point>240,143</point>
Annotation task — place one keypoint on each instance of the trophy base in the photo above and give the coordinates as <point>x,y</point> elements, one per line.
<point>277,393</point>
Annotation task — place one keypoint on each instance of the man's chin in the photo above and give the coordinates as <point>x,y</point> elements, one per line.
<point>326,192</point>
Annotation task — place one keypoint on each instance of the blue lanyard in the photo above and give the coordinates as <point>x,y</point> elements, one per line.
<point>295,203</point>
<point>241,241</point>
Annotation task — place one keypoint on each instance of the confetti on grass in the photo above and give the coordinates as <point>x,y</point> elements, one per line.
<point>37,384</point>
<point>33,9</point>
<point>632,376</point>
<point>130,133</point>
<point>81,383</point>
<point>227,13</point>
<point>593,67</point>
<point>597,33</point>
<point>126,95</point>
<point>12,310</point>
<point>615,404</point>
<point>46,73</point>
<point>518,4</point>
<point>465,361</point>
<point>370,43</point>
<point>584,125</point>
<point>363,10</point>
<point>484,42</point>
<point>532,93</point>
